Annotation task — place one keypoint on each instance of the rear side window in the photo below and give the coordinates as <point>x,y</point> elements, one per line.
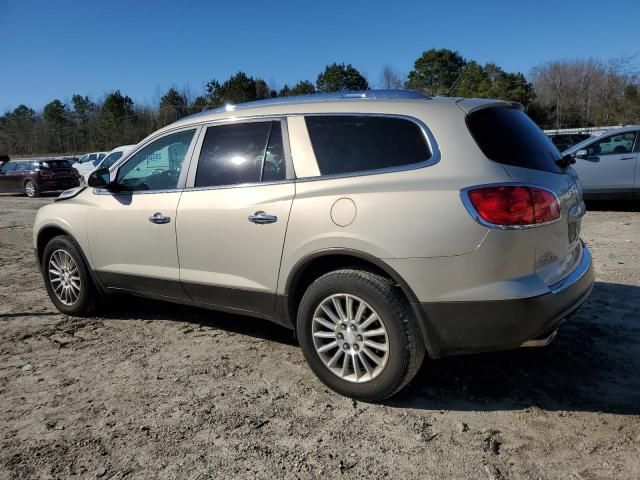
<point>241,153</point>
<point>508,136</point>
<point>345,144</point>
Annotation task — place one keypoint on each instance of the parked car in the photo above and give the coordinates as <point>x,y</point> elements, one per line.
<point>36,176</point>
<point>88,162</point>
<point>608,165</point>
<point>112,157</point>
<point>381,226</point>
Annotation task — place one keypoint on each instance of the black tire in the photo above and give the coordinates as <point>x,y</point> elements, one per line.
<point>406,348</point>
<point>89,297</point>
<point>31,189</point>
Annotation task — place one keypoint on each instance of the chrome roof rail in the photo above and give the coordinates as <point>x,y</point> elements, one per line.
<point>321,97</point>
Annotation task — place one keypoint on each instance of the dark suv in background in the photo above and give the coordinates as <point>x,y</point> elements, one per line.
<point>36,176</point>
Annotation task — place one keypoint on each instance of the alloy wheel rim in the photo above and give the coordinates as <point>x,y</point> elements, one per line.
<point>30,188</point>
<point>64,277</point>
<point>350,338</point>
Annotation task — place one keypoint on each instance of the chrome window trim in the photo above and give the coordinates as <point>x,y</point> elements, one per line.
<point>464,196</point>
<point>282,120</point>
<point>426,132</point>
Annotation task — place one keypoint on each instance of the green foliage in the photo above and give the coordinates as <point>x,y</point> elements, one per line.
<point>435,71</point>
<point>82,107</point>
<point>303,87</point>
<point>237,89</point>
<point>117,111</point>
<point>340,78</point>
<point>173,106</point>
<point>567,93</point>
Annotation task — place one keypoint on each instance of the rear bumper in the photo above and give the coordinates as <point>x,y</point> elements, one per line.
<point>478,326</point>
<point>62,184</point>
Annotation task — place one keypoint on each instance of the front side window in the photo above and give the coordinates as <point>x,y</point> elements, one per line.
<point>111,159</point>
<point>158,165</point>
<point>345,144</point>
<point>614,145</point>
<point>234,154</point>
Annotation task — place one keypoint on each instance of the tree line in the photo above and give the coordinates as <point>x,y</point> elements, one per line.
<point>576,93</point>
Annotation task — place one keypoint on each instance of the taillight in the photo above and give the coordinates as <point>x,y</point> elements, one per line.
<point>514,205</point>
<point>46,173</point>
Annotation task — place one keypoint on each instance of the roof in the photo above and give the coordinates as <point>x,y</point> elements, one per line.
<point>316,98</point>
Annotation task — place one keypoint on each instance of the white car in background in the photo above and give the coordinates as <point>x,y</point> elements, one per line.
<point>608,165</point>
<point>105,162</point>
<point>88,162</point>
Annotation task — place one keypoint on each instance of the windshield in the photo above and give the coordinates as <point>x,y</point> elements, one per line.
<point>111,159</point>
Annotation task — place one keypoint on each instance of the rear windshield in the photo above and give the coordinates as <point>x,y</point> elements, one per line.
<point>508,136</point>
<point>54,164</point>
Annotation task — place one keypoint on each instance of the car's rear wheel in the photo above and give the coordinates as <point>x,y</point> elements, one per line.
<point>31,189</point>
<point>358,334</point>
<point>67,278</point>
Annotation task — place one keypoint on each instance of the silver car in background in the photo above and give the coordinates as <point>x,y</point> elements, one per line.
<point>608,165</point>
<point>380,226</point>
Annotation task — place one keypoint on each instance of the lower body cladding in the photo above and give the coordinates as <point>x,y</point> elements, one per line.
<point>460,327</point>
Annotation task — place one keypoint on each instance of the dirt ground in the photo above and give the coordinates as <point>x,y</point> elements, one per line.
<point>154,390</point>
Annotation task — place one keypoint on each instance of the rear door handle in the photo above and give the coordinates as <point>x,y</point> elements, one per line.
<point>627,158</point>
<point>261,218</point>
<point>159,218</point>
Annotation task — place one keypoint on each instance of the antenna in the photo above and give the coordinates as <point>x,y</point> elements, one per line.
<point>456,80</point>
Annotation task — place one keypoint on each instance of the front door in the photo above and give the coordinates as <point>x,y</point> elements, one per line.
<point>232,223</point>
<point>609,166</point>
<point>132,232</point>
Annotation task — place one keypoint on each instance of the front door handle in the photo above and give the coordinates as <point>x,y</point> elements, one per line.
<point>159,218</point>
<point>627,158</point>
<point>261,218</point>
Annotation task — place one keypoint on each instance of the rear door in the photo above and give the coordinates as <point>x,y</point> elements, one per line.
<point>610,165</point>
<point>232,221</point>
<point>508,136</point>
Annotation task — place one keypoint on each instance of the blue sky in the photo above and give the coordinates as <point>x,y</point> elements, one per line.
<point>53,49</point>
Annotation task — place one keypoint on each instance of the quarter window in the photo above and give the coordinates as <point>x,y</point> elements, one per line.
<point>241,153</point>
<point>345,144</point>
<point>614,145</point>
<point>158,165</point>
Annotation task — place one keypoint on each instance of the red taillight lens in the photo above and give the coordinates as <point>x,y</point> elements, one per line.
<point>46,173</point>
<point>510,205</point>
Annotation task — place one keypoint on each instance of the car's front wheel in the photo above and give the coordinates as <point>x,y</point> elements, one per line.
<point>31,189</point>
<point>359,335</point>
<point>67,277</point>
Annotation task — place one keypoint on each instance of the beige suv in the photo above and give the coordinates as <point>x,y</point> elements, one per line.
<point>380,226</point>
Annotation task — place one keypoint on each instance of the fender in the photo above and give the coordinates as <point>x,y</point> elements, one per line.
<point>92,273</point>
<point>284,307</point>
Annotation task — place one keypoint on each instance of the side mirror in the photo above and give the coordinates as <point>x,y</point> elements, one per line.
<point>582,153</point>
<point>99,178</point>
